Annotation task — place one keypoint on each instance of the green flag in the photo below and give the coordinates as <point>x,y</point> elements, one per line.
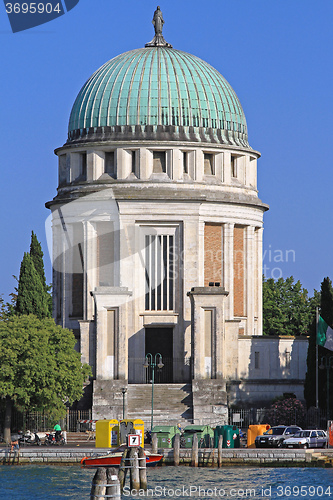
<point>324,334</point>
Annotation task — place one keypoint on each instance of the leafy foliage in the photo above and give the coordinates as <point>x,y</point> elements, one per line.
<point>325,303</point>
<point>31,295</point>
<point>39,368</point>
<point>288,411</point>
<point>287,310</point>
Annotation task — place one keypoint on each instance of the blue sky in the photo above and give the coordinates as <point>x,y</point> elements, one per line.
<point>277,55</point>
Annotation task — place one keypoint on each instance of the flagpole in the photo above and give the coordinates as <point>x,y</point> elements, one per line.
<point>317,321</point>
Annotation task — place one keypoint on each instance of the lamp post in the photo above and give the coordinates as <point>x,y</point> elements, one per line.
<point>327,363</point>
<point>124,390</point>
<point>153,362</point>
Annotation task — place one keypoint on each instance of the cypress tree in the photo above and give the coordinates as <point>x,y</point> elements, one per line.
<point>31,296</point>
<point>326,312</point>
<point>37,255</point>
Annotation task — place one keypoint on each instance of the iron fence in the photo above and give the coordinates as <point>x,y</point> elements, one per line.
<point>313,418</point>
<point>40,421</point>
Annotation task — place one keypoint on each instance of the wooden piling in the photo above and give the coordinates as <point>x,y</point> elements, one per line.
<point>154,443</point>
<point>135,477</point>
<point>122,468</point>
<point>113,484</point>
<point>98,484</point>
<point>176,449</point>
<point>195,451</point>
<point>142,469</point>
<point>219,451</point>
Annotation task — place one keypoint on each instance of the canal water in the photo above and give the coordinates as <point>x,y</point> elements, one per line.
<point>29,482</point>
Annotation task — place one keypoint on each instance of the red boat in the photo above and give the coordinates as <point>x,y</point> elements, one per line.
<point>113,459</point>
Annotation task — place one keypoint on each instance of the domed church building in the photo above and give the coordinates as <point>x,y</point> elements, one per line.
<point>157,243</point>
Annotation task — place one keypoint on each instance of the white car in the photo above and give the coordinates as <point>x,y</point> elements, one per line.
<point>306,439</point>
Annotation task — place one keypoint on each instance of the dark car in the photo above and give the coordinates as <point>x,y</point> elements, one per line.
<point>275,436</point>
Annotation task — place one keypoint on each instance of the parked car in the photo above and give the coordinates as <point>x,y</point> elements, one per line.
<point>306,439</point>
<point>274,437</point>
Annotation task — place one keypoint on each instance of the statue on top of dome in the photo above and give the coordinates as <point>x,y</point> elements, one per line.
<point>158,40</point>
<point>158,21</point>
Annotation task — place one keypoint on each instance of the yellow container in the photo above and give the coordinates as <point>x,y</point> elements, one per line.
<point>127,427</point>
<point>107,433</point>
<point>254,431</point>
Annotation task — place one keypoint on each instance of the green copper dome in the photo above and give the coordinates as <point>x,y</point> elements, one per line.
<point>158,93</point>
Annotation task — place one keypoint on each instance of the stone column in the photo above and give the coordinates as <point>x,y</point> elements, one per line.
<point>207,298</point>
<point>228,268</point>
<point>250,279</point>
<point>259,234</point>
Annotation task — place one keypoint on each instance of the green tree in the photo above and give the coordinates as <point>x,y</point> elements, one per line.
<point>324,301</point>
<point>37,255</point>
<point>31,295</point>
<point>39,368</point>
<point>286,307</point>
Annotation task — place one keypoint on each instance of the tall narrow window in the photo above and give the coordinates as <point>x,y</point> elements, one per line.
<point>109,167</point>
<point>208,164</point>
<point>159,272</point>
<point>83,173</point>
<point>133,161</point>
<point>257,360</point>
<point>159,162</point>
<point>77,271</point>
<point>62,170</point>
<point>105,254</point>
<point>233,166</point>
<point>185,162</point>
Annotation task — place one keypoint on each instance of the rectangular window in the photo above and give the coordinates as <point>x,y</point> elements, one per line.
<point>83,166</point>
<point>185,162</point>
<point>233,166</point>
<point>208,164</point>
<point>133,161</point>
<point>287,353</point>
<point>257,360</point>
<point>109,167</point>
<point>159,272</point>
<point>77,271</point>
<point>105,254</point>
<point>159,162</point>
<point>62,169</point>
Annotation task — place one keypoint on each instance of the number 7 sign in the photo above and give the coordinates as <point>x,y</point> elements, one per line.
<point>134,440</point>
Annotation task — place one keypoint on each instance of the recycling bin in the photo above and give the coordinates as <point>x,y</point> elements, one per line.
<point>254,431</point>
<point>107,433</point>
<point>165,435</point>
<point>204,432</point>
<point>127,427</point>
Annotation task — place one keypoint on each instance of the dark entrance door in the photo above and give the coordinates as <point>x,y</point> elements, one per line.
<point>160,340</point>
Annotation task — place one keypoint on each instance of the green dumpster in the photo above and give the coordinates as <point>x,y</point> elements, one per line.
<point>230,435</point>
<point>165,435</point>
<point>204,432</point>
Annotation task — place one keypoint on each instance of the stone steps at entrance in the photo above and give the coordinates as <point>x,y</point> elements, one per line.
<point>172,403</point>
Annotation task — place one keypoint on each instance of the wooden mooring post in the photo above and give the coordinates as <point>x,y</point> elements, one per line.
<point>219,451</point>
<point>142,469</point>
<point>154,443</point>
<point>195,451</point>
<point>105,484</point>
<point>134,469</point>
<point>176,449</point>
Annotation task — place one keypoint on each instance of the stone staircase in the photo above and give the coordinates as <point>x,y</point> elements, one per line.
<point>172,403</point>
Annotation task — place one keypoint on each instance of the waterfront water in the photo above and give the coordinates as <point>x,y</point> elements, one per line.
<point>29,482</point>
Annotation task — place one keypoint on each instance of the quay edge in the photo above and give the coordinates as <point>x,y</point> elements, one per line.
<point>207,457</point>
